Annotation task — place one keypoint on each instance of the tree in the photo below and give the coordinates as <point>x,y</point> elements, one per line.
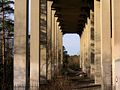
<point>8,12</point>
<point>65,60</point>
<point>6,7</point>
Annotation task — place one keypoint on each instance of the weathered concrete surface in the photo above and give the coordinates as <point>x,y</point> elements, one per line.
<point>97,42</point>
<point>43,41</point>
<point>87,47</point>
<point>106,55</point>
<point>81,52</point>
<point>61,47</point>
<point>34,42</point>
<point>20,43</point>
<point>82,49</point>
<point>60,51</point>
<point>57,41</point>
<point>116,43</point>
<point>49,40</point>
<point>55,47</point>
<point>117,75</point>
<point>53,43</point>
<point>91,48</point>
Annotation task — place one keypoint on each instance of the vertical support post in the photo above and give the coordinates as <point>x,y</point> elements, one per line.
<point>35,43</point>
<point>61,34</point>
<point>53,43</point>
<point>91,45</point>
<point>88,48</point>
<point>97,42</point>
<point>49,39</point>
<point>85,62</point>
<point>115,5</point>
<point>59,51</point>
<point>20,33</point>
<point>81,51</point>
<point>55,47</point>
<point>106,64</point>
<point>43,40</point>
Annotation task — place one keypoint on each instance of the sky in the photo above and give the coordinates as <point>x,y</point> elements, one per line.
<point>72,43</point>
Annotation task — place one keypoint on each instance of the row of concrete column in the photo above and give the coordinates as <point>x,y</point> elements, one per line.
<point>84,41</point>
<point>106,45</point>
<point>45,43</point>
<point>103,55</point>
<point>87,47</point>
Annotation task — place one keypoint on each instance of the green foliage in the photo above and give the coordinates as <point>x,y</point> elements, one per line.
<point>8,10</point>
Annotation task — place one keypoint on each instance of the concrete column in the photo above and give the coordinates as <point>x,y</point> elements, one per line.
<point>53,43</point>
<point>43,42</point>
<point>116,43</point>
<point>60,51</point>
<point>84,57</point>
<point>106,64</point>
<point>57,43</point>
<point>49,42</point>
<point>83,66</point>
<point>61,45</point>
<point>86,64</point>
<point>91,48</point>
<point>82,51</point>
<point>97,42</point>
<point>80,54</point>
<point>55,46</point>
<point>88,47</point>
<point>20,43</point>
<point>35,43</point>
<point>85,49</point>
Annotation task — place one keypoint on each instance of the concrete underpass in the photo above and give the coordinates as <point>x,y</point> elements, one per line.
<point>38,44</point>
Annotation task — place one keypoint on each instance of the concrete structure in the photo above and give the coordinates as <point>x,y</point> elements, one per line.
<point>115,43</point>
<point>43,41</point>
<point>49,42</point>
<point>96,21</point>
<point>106,54</point>
<point>97,42</point>
<point>35,42</point>
<point>87,58</point>
<point>20,43</point>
